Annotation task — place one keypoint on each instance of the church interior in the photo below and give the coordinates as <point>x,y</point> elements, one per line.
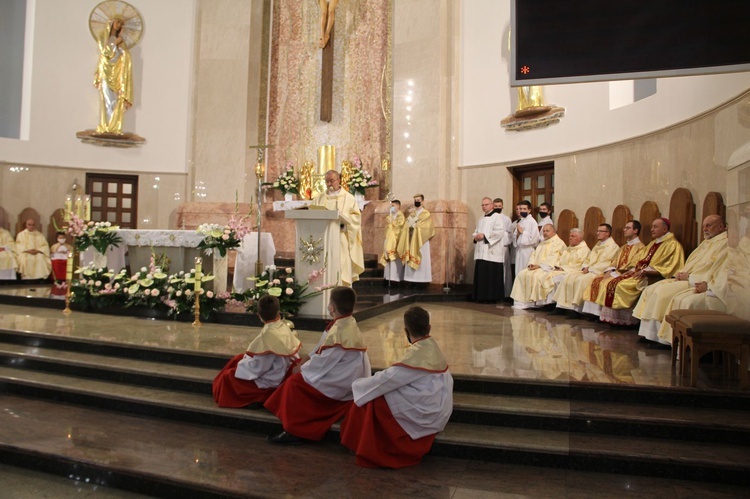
<point>228,97</point>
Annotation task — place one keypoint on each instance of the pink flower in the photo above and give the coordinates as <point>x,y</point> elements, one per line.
<point>187,292</point>
<point>225,237</point>
<point>289,280</point>
<point>209,294</point>
<point>289,291</point>
<point>154,292</point>
<point>276,281</point>
<point>288,270</point>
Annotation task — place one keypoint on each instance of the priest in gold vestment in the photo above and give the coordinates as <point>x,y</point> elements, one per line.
<point>527,288</point>
<point>414,245</point>
<point>8,263</point>
<point>350,220</point>
<point>390,259</point>
<point>662,257</point>
<point>571,261</point>
<point>652,305</point>
<point>569,294</point>
<point>624,260</point>
<point>32,252</point>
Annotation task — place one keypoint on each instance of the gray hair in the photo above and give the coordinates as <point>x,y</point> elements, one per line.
<point>576,231</point>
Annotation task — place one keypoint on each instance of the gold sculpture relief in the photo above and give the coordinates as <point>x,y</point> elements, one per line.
<point>306,180</point>
<point>346,174</point>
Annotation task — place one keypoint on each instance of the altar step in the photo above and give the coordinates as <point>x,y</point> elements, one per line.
<point>669,433</point>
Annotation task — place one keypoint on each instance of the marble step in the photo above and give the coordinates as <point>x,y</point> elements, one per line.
<point>469,408</point>
<point>665,458</point>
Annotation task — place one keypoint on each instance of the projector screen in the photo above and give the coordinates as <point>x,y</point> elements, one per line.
<point>571,41</point>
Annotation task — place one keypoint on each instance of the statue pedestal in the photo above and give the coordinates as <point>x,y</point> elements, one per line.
<point>317,245</point>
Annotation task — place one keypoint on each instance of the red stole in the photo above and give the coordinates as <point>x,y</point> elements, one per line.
<point>642,264</point>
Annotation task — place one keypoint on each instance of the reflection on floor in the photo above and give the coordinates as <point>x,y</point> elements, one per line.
<point>479,340</point>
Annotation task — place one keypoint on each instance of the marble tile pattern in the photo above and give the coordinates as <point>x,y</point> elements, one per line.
<point>478,340</point>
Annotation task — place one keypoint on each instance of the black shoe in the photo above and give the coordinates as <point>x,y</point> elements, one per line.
<point>285,438</point>
<point>255,405</point>
<point>659,346</point>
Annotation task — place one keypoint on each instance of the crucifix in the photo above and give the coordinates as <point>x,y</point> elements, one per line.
<point>260,172</point>
<point>327,18</point>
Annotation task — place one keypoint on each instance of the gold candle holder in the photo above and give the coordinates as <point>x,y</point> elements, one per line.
<point>197,290</point>
<point>68,283</point>
<point>326,159</point>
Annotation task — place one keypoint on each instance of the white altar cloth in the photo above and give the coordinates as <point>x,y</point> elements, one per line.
<point>247,255</point>
<point>166,238</point>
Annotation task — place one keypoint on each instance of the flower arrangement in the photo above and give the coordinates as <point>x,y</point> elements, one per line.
<point>100,235</point>
<point>146,287</point>
<point>292,294</point>
<point>361,179</point>
<point>181,294</point>
<point>223,238</point>
<point>287,182</point>
<point>98,288</point>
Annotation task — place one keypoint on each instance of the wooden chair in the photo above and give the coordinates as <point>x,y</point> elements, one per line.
<point>593,219</point>
<point>26,214</point>
<point>4,219</point>
<point>682,218</point>
<point>56,222</point>
<point>566,220</point>
<point>649,213</point>
<point>620,217</point>
<point>713,204</point>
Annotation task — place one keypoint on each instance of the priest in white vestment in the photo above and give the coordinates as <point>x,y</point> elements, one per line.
<point>654,301</point>
<point>398,411</point>
<point>569,294</point>
<point>350,223</point>
<point>414,246</point>
<point>489,255</point>
<point>527,288</point>
<point>525,237</point>
<point>571,260</point>
<point>8,262</point>
<point>32,252</point>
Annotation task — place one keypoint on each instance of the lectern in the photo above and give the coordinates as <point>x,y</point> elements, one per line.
<point>317,244</point>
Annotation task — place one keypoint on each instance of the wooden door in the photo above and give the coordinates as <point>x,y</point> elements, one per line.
<point>114,198</point>
<point>535,183</point>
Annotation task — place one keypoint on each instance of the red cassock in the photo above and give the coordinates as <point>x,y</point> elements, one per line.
<point>378,440</point>
<point>59,269</point>
<point>304,411</point>
<point>230,391</point>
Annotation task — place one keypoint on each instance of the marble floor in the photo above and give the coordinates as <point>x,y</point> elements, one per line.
<point>479,340</point>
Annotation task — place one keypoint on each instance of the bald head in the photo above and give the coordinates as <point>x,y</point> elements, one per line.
<point>713,225</point>
<point>548,231</point>
<point>30,225</point>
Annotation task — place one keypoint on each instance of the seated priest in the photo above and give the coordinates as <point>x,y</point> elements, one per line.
<point>624,260</point>
<point>571,261</point>
<point>250,378</point>
<point>350,224</point>
<point>398,411</point>
<point>319,393</point>
<point>32,252</point>
<point>652,305</point>
<point>528,286</point>
<point>569,294</point>
<point>8,262</point>
<point>662,258</point>
<point>726,288</point>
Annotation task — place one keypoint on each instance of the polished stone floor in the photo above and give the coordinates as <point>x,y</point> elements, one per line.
<point>479,340</point>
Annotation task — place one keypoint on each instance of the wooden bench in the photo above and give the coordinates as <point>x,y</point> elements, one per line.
<point>703,331</point>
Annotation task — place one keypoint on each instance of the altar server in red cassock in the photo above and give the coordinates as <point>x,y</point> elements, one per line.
<point>398,411</point>
<point>320,394</point>
<point>251,377</point>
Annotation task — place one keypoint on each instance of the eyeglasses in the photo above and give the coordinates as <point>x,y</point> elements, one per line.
<point>602,231</point>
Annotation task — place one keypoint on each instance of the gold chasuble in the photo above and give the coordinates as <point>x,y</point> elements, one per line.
<point>570,292</point>
<point>394,227</point>
<point>275,338</point>
<point>527,287</point>
<point>665,255</point>
<point>31,266</point>
<point>656,297</point>
<point>424,355</point>
<point>8,254</point>
<point>625,260</point>
<point>350,218</point>
<point>410,245</point>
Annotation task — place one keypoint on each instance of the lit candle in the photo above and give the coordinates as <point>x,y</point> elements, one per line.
<point>198,273</point>
<point>69,267</point>
<point>87,207</point>
<point>78,206</point>
<point>68,207</point>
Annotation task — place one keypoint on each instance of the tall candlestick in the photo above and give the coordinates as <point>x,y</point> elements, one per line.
<point>78,206</point>
<point>68,207</point>
<point>87,207</point>
<point>198,275</point>
<point>69,268</point>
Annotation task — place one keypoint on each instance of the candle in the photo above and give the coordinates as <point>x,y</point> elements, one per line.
<point>68,207</point>
<point>78,206</point>
<point>69,267</point>
<point>87,207</point>
<point>198,273</point>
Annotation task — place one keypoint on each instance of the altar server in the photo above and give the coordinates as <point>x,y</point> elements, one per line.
<point>489,255</point>
<point>398,411</point>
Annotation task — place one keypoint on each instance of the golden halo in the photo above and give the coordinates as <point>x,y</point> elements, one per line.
<point>132,29</point>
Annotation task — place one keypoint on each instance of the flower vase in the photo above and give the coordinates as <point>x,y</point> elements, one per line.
<point>220,273</point>
<point>99,260</point>
<point>359,197</point>
<point>288,196</point>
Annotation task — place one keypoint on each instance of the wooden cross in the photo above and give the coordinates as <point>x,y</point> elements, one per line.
<point>326,81</point>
